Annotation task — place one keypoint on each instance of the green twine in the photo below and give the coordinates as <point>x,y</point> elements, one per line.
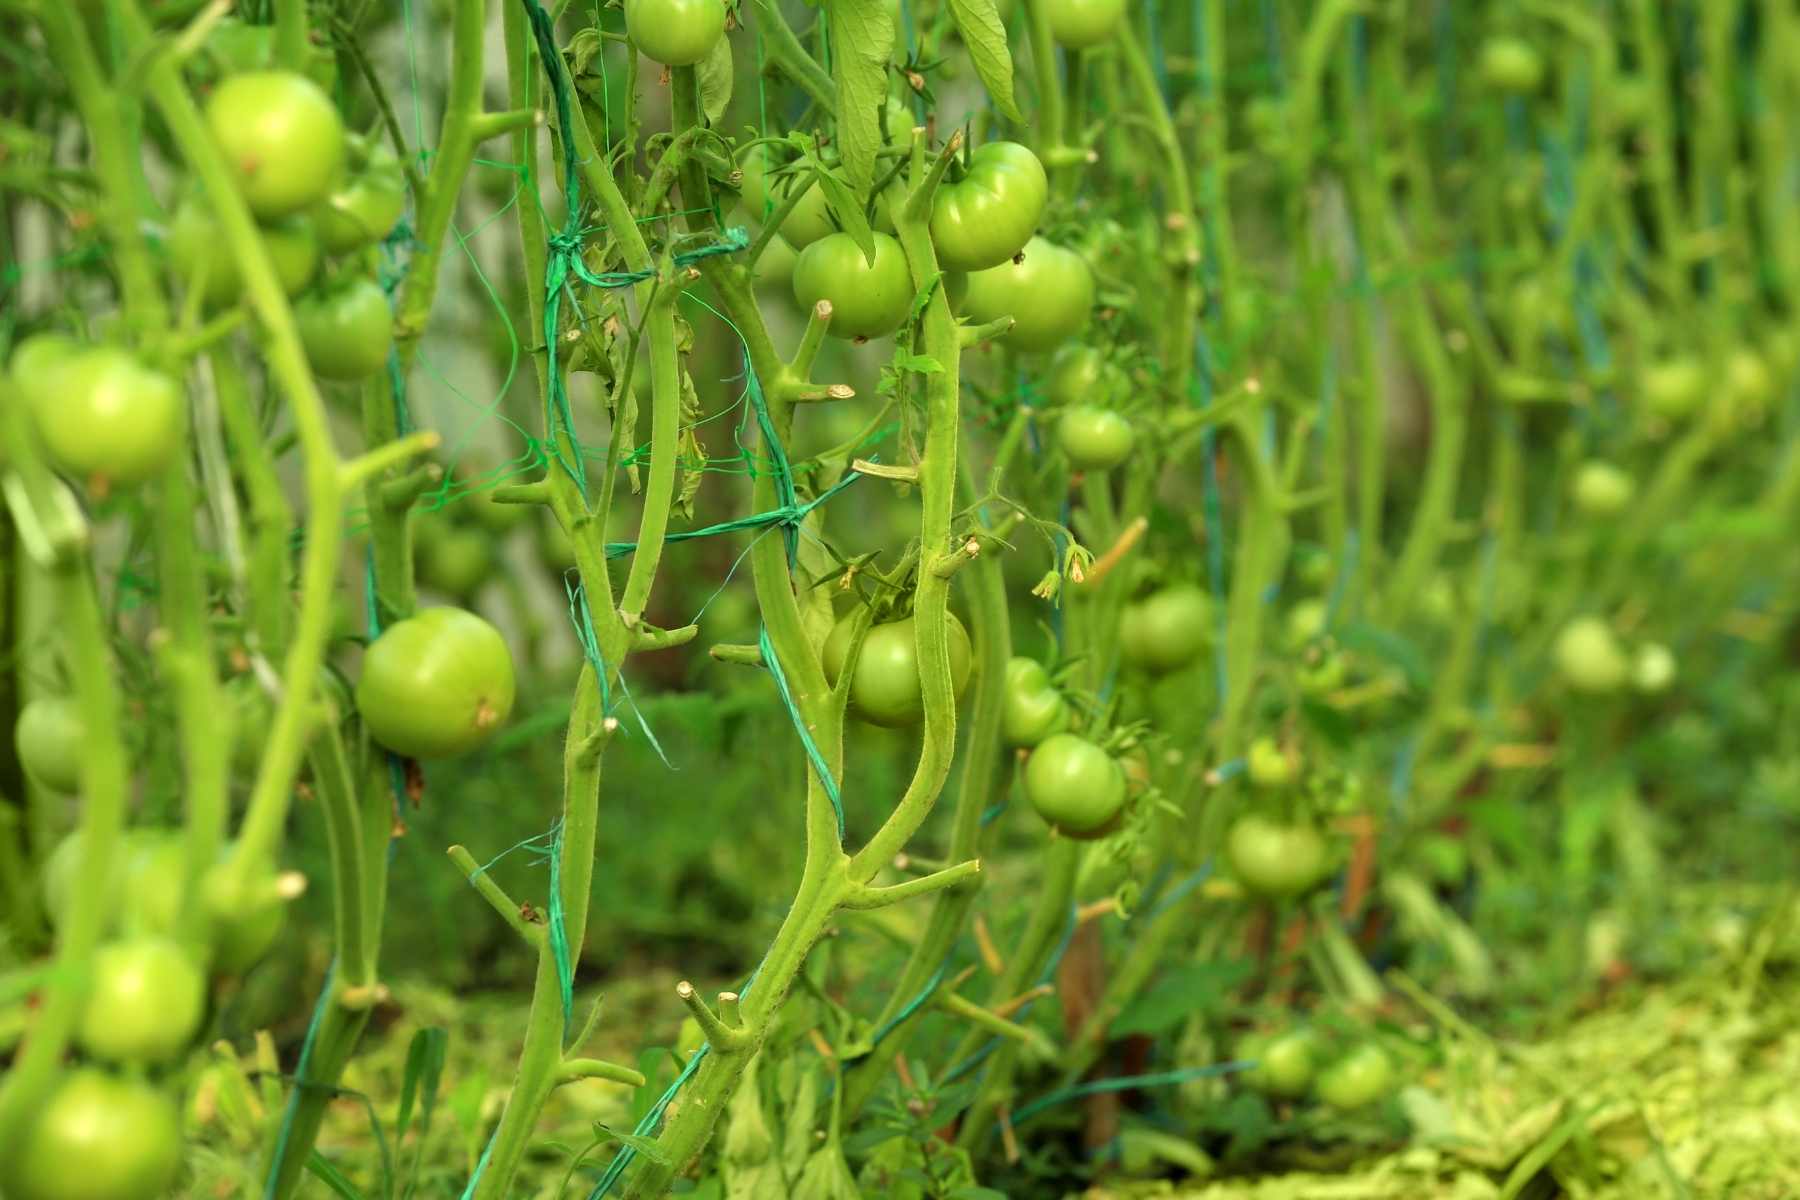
<point>772,661</point>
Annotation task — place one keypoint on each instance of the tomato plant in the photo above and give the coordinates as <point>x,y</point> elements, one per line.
<point>1075,786</point>
<point>1095,439</point>
<point>436,685</point>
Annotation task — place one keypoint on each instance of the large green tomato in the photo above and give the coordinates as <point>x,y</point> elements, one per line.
<point>1167,629</point>
<point>145,1002</point>
<point>366,204</point>
<point>867,300</point>
<point>1357,1080</point>
<point>1273,860</point>
<point>885,688</point>
<point>1048,294</point>
<point>1075,785</point>
<point>1094,439</point>
<point>49,738</point>
<point>1079,24</point>
<point>96,1136</point>
<point>436,685</point>
<point>1032,709</point>
<point>988,215</point>
<point>1284,1062</point>
<point>106,418</point>
<point>676,33</point>
<point>282,136</point>
<point>33,357</point>
<point>1589,656</point>
<point>347,329</point>
<point>196,244</point>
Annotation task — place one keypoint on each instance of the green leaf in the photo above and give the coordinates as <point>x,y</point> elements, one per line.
<point>862,38</point>
<point>978,21</point>
<point>1178,994</point>
<point>848,209</point>
<point>424,1067</point>
<point>646,1147</point>
<point>334,1179</point>
<point>919,364</point>
<point>714,77</point>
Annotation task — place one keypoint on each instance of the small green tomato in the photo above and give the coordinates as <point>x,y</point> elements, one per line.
<point>1589,657</point>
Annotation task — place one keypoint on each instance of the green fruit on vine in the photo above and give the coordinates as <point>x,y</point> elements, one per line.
<point>1048,292</point>
<point>106,418</point>
<point>1589,657</point>
<point>49,738</point>
<point>1284,1062</point>
<point>95,1136</point>
<point>144,1002</point>
<point>1673,389</point>
<point>1653,668</point>
<point>988,215</point>
<point>1602,489</point>
<point>282,137</point>
<point>1032,709</point>
<point>885,688</point>
<point>1276,860</point>
<point>1512,65</point>
<point>1082,375</point>
<point>868,299</point>
<point>347,329</point>
<point>455,560</point>
<point>244,914</point>
<point>1268,765</point>
<point>675,33</point>
<point>195,254</point>
<point>366,204</point>
<point>774,267</point>
<point>1357,1080</point>
<point>1080,24</point>
<point>1075,785</point>
<point>1166,630</point>
<point>436,685</point>
<point>1094,439</point>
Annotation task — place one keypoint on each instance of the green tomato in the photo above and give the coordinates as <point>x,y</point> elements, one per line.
<point>195,253</point>
<point>867,300</point>
<point>1305,622</point>
<point>1268,765</point>
<point>1653,668</point>
<point>235,47</point>
<point>1077,787</point>
<point>142,894</point>
<point>96,1136</point>
<point>456,560</point>
<point>1273,860</point>
<point>49,738</point>
<point>1602,489</point>
<point>1081,374</point>
<point>282,137</point>
<point>1032,708</point>
<point>106,418</point>
<point>1048,294</point>
<point>1749,385</point>
<point>988,215</point>
<point>1284,1062</point>
<point>1079,24</point>
<point>33,357</point>
<point>1511,65</point>
<point>1357,1080</point>
<point>145,1002</point>
<point>1673,388</point>
<point>1589,657</point>
<point>885,688</point>
<point>347,329</point>
<point>676,33</point>
<point>244,917</point>
<point>1095,439</point>
<point>436,684</point>
<point>365,205</point>
<point>1167,629</point>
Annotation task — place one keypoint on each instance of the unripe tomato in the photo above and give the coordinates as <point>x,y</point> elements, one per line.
<point>145,1002</point>
<point>988,215</point>
<point>347,329</point>
<point>1357,1080</point>
<point>1082,375</point>
<point>365,205</point>
<point>1653,668</point>
<point>867,300</point>
<point>1284,1062</point>
<point>96,1136</point>
<point>676,33</point>
<point>1079,24</point>
<point>1075,785</point>
<point>1589,656</point>
<point>196,243</point>
<point>1674,387</point>
<point>436,684</point>
<point>1305,622</point>
<point>33,357</point>
<point>1321,672</point>
<point>1602,489</point>
<point>1032,709</point>
<point>106,418</point>
<point>283,137</point>
<point>49,738</point>
<point>1095,439</point>
<point>1167,629</point>
<point>143,893</point>
<point>885,688</point>
<point>1513,65</point>
<point>1268,765</point>
<point>455,560</point>
<point>1273,860</point>
<point>1049,294</point>
<point>243,919</point>
<point>1749,385</point>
